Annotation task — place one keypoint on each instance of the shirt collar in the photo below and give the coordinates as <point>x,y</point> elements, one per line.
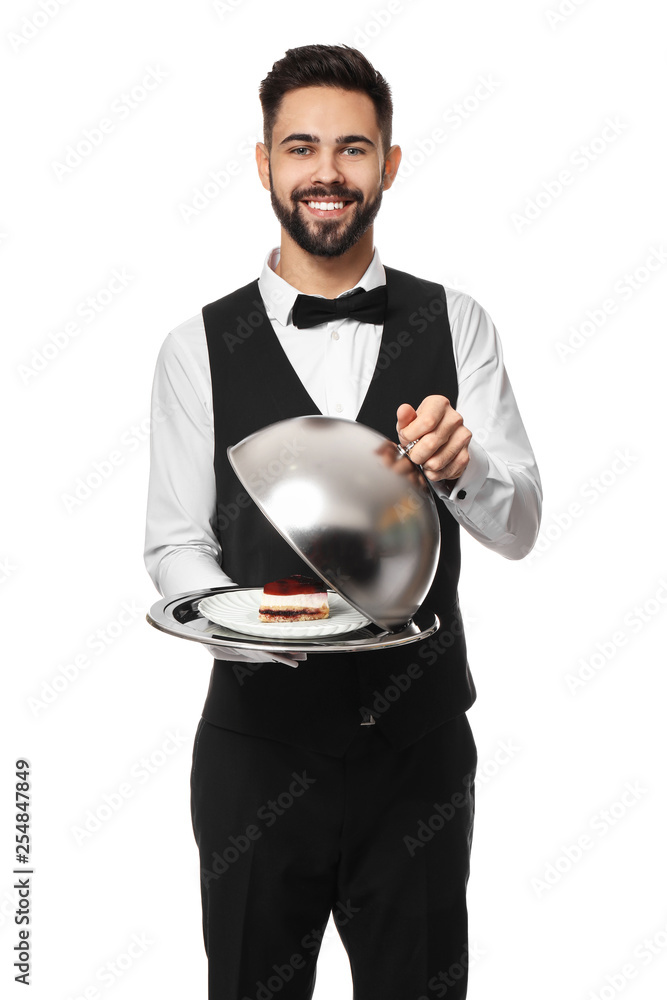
<point>278,295</point>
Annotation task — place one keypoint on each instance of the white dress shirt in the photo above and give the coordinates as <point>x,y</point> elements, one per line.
<point>497,499</point>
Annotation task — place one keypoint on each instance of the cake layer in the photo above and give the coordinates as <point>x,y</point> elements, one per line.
<point>293,599</point>
<point>294,615</point>
<point>295,584</point>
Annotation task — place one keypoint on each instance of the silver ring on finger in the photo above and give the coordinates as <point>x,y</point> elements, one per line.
<point>402,452</point>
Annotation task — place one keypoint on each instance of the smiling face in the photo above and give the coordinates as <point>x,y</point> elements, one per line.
<point>326,151</point>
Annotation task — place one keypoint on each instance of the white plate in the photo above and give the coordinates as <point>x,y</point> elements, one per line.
<point>239,610</point>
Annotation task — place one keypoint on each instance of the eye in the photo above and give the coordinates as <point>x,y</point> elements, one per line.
<point>349,149</point>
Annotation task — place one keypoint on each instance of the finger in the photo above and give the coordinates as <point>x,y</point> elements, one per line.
<point>447,467</point>
<point>427,446</point>
<point>284,659</point>
<point>456,469</point>
<point>427,418</point>
<point>292,660</point>
<point>405,415</point>
<point>444,453</point>
<point>436,450</point>
<point>437,444</point>
<point>228,652</point>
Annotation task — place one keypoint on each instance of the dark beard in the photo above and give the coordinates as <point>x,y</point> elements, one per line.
<point>328,238</point>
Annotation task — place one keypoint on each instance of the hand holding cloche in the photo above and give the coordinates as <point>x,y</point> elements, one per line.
<point>442,438</point>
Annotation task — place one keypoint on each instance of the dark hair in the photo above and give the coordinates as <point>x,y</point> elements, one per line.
<point>325,66</point>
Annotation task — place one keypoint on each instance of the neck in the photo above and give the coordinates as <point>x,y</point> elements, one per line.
<point>328,276</point>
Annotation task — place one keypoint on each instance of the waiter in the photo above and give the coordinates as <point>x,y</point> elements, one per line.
<point>334,783</point>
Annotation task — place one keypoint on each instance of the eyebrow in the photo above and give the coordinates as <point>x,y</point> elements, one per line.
<point>306,137</point>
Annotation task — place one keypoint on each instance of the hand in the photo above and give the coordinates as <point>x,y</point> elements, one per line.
<point>442,450</point>
<point>257,655</point>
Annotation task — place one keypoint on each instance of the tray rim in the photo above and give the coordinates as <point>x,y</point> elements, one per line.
<point>161,617</point>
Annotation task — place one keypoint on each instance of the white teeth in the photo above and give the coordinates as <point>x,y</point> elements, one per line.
<point>326,206</point>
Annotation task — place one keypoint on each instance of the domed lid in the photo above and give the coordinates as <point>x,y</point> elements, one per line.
<point>361,517</point>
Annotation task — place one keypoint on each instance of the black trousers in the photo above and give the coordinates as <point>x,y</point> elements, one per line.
<point>379,837</point>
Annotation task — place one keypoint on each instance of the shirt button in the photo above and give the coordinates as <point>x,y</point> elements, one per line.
<point>335,335</point>
<point>461,495</point>
<point>339,407</point>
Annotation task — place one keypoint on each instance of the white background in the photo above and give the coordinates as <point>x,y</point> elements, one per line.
<point>595,587</point>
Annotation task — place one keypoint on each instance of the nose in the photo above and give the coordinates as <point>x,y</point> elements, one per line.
<point>326,170</point>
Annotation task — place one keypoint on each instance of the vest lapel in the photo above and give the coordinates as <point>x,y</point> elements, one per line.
<point>281,380</point>
<point>410,364</point>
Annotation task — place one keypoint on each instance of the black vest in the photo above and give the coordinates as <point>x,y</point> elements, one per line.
<point>320,704</point>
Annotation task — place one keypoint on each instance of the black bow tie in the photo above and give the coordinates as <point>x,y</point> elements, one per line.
<point>368,307</point>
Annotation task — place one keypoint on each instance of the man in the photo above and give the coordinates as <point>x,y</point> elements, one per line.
<point>336,783</point>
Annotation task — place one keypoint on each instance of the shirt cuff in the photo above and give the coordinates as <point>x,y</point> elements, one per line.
<point>462,494</point>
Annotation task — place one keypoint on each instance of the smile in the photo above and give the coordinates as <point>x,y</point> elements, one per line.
<point>322,209</point>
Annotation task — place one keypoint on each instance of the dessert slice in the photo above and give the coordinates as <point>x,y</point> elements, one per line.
<point>294,599</point>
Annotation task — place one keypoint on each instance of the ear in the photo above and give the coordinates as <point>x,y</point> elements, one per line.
<point>262,160</point>
<point>392,163</point>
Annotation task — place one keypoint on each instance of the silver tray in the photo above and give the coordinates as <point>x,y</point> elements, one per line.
<point>179,615</point>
